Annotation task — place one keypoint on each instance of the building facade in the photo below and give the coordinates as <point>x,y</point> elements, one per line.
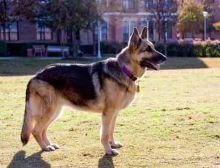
<point>25,32</point>
<point>119,19</point>
<point>121,16</point>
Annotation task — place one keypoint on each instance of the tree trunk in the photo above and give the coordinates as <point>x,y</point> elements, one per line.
<point>77,42</point>
<point>4,31</point>
<point>94,40</point>
<point>74,47</point>
<point>58,33</point>
<point>158,32</point>
<point>4,19</point>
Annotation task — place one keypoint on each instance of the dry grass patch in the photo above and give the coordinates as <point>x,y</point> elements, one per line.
<point>174,122</point>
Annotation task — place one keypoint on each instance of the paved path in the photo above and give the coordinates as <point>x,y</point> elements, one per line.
<point>50,58</point>
<point>38,58</point>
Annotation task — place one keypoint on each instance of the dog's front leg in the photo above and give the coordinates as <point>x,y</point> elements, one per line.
<point>107,117</point>
<point>113,143</point>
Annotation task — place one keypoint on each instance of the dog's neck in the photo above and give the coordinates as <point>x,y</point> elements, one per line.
<point>133,67</point>
<point>126,71</point>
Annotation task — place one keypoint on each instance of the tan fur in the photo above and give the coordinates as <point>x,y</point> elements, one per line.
<point>44,103</point>
<point>43,107</point>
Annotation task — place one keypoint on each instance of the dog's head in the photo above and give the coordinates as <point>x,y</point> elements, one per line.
<point>143,52</point>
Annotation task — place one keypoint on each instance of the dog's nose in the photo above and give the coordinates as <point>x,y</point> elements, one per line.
<point>164,58</point>
<point>159,58</point>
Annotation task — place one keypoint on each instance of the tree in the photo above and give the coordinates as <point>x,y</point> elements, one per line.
<point>190,18</point>
<point>216,25</point>
<point>7,14</point>
<point>163,11</point>
<point>30,9</point>
<point>62,15</point>
<point>95,12</point>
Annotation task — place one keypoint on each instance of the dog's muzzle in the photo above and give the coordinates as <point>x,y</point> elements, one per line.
<point>154,62</point>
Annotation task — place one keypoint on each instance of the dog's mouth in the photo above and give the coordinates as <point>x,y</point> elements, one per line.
<point>147,64</point>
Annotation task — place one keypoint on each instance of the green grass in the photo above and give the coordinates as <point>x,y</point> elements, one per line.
<point>174,122</point>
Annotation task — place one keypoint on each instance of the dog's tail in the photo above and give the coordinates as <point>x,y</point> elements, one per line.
<point>28,122</point>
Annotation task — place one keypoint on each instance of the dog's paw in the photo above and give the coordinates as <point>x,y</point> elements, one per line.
<point>111,153</point>
<point>55,146</point>
<point>116,145</point>
<point>49,148</point>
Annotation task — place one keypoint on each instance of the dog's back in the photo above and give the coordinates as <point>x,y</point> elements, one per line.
<point>65,84</point>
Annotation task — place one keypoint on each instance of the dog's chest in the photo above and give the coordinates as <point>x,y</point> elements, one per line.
<point>118,97</point>
<point>128,98</point>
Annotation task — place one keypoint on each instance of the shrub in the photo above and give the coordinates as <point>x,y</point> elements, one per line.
<point>106,48</point>
<point>87,49</point>
<point>20,49</point>
<point>211,51</point>
<point>3,48</point>
<point>160,47</point>
<point>111,48</point>
<point>190,50</point>
<point>200,49</point>
<point>174,49</point>
<point>187,50</point>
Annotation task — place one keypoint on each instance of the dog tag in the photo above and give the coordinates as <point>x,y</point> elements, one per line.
<point>138,88</point>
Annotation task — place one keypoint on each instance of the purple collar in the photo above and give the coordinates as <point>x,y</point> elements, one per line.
<point>127,72</point>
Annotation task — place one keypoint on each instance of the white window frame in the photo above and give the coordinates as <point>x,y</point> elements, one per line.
<point>130,29</point>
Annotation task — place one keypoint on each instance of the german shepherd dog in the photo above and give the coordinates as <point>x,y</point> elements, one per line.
<point>104,87</point>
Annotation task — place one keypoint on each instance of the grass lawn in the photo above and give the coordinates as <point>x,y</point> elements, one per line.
<point>174,121</point>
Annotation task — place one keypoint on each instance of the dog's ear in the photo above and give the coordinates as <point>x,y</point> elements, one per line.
<point>134,40</point>
<point>144,33</point>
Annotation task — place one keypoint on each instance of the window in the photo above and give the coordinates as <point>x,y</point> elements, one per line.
<point>150,25</point>
<point>149,3</point>
<point>104,31</point>
<point>128,4</point>
<point>43,33</point>
<point>102,2</point>
<point>169,30</point>
<point>162,3</point>
<point>166,30</point>
<point>125,31</point>
<point>166,3</point>
<point>169,2</point>
<point>128,27</point>
<point>151,30</point>
<point>11,32</point>
<point>144,23</point>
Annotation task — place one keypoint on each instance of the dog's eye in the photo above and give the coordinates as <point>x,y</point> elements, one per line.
<point>149,49</point>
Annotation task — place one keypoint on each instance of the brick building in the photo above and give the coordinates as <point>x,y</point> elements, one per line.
<point>119,18</point>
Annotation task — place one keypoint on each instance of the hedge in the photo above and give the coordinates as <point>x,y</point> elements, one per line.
<point>3,48</point>
<point>190,50</point>
<point>173,49</point>
<point>20,49</point>
<point>106,48</point>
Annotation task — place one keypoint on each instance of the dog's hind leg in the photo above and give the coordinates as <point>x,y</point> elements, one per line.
<point>51,112</point>
<point>57,112</point>
<point>40,129</point>
<point>37,111</point>
<point>46,108</point>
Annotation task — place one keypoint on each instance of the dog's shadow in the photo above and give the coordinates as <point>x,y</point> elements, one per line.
<point>33,161</point>
<point>106,162</point>
<point>36,161</point>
